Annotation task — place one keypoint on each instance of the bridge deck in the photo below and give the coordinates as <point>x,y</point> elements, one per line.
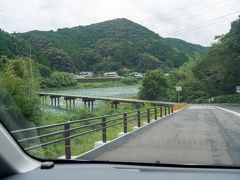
<point>199,134</point>
<point>108,99</point>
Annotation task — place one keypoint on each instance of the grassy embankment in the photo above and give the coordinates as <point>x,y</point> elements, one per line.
<point>84,143</point>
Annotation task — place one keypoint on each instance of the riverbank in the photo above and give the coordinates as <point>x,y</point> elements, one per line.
<point>87,85</point>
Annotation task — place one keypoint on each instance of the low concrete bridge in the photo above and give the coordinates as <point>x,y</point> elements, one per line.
<point>88,100</point>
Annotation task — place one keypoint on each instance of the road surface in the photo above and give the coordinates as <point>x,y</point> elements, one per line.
<point>199,134</point>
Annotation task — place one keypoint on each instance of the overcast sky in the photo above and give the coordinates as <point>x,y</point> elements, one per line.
<point>195,21</point>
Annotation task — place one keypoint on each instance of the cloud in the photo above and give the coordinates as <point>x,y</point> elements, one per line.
<point>162,16</point>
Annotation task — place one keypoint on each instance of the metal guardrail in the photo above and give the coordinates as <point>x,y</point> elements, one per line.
<point>70,129</point>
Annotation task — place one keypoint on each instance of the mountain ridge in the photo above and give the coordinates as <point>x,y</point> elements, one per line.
<point>110,45</point>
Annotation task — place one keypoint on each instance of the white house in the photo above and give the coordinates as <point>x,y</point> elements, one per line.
<point>86,74</point>
<point>110,74</point>
<point>136,74</point>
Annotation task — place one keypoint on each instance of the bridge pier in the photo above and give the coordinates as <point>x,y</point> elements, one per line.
<point>88,102</point>
<point>92,105</point>
<point>115,104</point>
<point>55,100</point>
<point>43,98</point>
<point>70,102</point>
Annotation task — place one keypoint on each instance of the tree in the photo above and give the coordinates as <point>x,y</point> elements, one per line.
<point>219,68</point>
<point>59,79</point>
<point>60,60</point>
<point>154,86</point>
<point>147,61</point>
<point>18,85</point>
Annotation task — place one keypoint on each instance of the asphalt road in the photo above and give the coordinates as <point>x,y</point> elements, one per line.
<point>199,134</point>
<point>232,107</point>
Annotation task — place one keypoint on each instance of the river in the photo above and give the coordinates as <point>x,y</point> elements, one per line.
<point>118,92</point>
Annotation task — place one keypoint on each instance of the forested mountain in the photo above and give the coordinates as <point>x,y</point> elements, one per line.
<point>189,48</point>
<point>11,45</point>
<point>108,46</point>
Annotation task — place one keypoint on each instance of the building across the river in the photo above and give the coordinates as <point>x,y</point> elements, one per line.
<point>136,74</point>
<point>110,74</point>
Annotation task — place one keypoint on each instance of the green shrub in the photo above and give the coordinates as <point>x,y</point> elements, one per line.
<point>231,98</point>
<point>129,80</point>
<point>59,79</point>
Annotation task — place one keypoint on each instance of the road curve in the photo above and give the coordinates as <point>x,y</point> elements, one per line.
<point>199,134</point>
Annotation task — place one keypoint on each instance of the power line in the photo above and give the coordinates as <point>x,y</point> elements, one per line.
<point>178,9</point>
<point>182,8</point>
<point>197,27</point>
<point>202,24</point>
<point>201,10</point>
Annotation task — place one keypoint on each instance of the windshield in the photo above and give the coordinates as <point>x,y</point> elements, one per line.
<point>143,81</point>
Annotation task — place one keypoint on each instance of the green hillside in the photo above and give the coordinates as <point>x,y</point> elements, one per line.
<point>11,45</point>
<point>219,69</point>
<point>214,74</point>
<point>112,45</point>
<point>189,48</point>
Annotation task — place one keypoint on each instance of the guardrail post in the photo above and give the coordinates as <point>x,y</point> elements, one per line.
<point>161,111</point>
<point>125,122</point>
<point>67,135</point>
<point>155,113</point>
<point>169,110</point>
<point>104,130</point>
<point>165,110</point>
<point>148,115</point>
<point>139,118</point>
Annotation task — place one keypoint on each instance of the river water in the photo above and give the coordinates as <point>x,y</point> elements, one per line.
<point>118,92</point>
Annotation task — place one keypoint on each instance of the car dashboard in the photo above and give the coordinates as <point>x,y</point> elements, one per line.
<point>119,172</point>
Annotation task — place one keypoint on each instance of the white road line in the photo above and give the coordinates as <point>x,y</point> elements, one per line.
<point>227,110</point>
<point>201,107</point>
